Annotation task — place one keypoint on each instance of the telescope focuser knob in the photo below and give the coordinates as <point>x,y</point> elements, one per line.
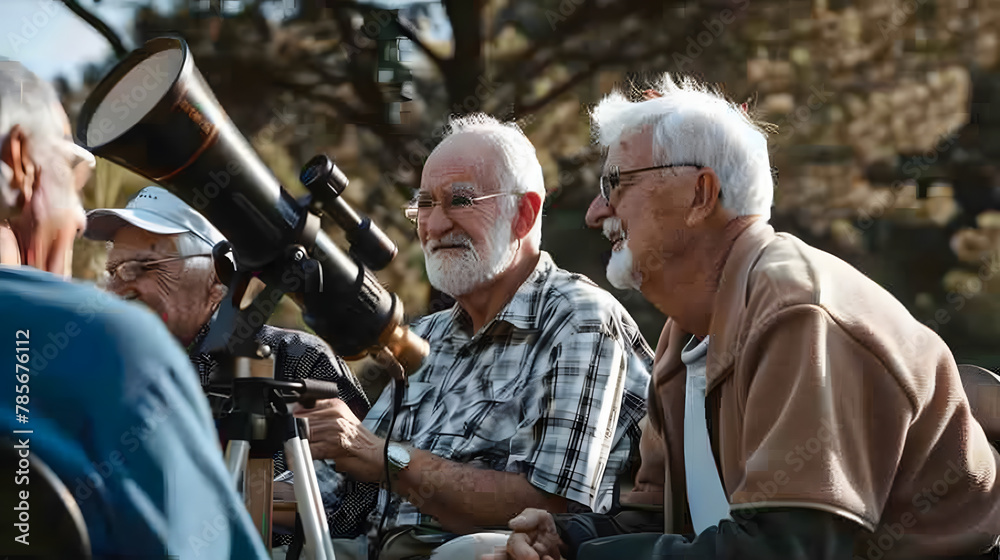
<point>319,173</point>
<point>326,182</point>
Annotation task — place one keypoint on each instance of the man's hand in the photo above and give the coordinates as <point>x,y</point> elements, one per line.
<point>534,538</point>
<point>336,433</point>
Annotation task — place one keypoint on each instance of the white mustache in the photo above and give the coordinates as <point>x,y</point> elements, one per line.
<point>452,239</point>
<point>612,229</point>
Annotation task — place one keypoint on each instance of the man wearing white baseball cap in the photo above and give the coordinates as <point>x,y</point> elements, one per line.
<point>161,255</point>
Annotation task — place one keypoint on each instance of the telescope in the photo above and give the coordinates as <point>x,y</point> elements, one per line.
<point>155,115</point>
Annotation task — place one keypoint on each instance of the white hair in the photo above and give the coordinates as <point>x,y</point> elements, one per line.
<point>693,123</point>
<point>518,173</point>
<point>29,101</point>
<point>188,244</point>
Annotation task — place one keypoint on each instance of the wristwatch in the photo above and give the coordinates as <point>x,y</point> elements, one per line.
<point>399,459</point>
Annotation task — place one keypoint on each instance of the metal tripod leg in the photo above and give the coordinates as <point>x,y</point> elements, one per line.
<point>318,544</point>
<point>318,503</point>
<point>309,503</point>
<point>237,453</point>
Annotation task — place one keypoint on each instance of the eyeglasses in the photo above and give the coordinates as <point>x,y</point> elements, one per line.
<point>128,271</point>
<point>424,204</point>
<point>612,180</point>
<point>78,163</point>
<point>79,156</point>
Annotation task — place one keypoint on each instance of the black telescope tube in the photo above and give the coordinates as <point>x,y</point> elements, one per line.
<point>186,143</point>
<point>353,310</point>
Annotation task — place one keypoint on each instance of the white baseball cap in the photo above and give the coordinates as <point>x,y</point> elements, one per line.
<point>155,210</point>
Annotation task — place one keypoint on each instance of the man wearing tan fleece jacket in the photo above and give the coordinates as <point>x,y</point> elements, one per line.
<point>798,411</point>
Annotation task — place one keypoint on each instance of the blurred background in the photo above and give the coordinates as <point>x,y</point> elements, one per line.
<point>881,117</point>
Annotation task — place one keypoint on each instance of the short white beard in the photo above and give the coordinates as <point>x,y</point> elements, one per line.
<point>457,275</point>
<point>621,272</point>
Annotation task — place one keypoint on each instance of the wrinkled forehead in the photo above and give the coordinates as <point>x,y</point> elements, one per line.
<point>632,150</point>
<point>131,239</point>
<point>462,160</point>
<point>459,187</point>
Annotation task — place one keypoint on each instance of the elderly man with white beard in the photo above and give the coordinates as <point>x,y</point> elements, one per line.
<point>797,410</point>
<point>536,379</point>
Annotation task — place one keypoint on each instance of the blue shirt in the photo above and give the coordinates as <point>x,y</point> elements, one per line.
<point>115,409</point>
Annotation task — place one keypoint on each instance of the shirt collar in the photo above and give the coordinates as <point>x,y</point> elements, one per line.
<point>522,311</point>
<point>199,338</point>
<point>731,298</point>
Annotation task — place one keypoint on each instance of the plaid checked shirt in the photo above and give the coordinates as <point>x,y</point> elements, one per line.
<point>553,388</point>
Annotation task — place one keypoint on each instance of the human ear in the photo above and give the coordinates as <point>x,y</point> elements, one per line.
<point>15,154</point>
<point>707,192</point>
<point>528,209</point>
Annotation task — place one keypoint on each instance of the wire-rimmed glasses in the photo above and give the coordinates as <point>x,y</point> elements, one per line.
<point>612,180</point>
<point>423,204</point>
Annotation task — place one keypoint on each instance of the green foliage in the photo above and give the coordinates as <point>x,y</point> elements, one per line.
<point>883,88</point>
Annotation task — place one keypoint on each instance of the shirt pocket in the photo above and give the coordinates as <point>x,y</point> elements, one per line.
<point>417,400</point>
<point>492,432</point>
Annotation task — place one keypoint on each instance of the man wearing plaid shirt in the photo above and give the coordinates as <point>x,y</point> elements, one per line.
<point>536,379</point>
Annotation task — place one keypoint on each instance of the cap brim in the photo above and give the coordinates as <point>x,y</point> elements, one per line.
<point>103,224</point>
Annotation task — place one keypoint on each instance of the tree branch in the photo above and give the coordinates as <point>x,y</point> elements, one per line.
<point>466,66</point>
<point>404,30</point>
<point>544,51</point>
<point>259,21</point>
<point>99,26</point>
<point>612,57</point>
<point>344,108</point>
<point>555,92</point>
<point>411,35</point>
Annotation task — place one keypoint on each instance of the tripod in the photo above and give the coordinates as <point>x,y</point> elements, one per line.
<point>256,422</point>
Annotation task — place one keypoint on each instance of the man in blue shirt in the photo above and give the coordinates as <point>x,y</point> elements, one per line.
<point>107,398</point>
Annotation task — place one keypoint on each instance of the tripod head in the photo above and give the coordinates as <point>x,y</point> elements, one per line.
<point>256,424</point>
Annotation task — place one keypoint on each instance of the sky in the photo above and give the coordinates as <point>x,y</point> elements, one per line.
<point>51,41</point>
